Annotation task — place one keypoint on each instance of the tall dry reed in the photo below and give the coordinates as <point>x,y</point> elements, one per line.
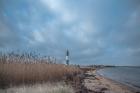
<point>16,72</point>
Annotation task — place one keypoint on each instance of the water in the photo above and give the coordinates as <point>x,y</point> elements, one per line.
<point>126,75</point>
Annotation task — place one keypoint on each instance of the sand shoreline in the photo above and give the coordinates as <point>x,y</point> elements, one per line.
<point>127,86</point>
<point>96,83</point>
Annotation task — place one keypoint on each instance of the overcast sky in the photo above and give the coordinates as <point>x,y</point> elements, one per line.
<point>94,31</point>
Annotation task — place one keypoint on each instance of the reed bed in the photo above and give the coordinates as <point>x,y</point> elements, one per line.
<point>40,88</point>
<point>15,71</point>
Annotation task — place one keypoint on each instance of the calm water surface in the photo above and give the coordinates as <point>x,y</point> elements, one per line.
<point>126,75</point>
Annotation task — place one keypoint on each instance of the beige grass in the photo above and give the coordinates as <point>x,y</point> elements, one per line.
<point>25,69</point>
<point>17,73</point>
<point>40,88</point>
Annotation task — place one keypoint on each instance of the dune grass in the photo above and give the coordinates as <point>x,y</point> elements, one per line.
<point>40,88</point>
<point>14,70</point>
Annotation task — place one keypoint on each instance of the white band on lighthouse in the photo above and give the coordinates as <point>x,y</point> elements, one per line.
<point>67,57</point>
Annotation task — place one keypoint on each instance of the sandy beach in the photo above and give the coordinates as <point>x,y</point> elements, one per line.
<point>101,84</point>
<point>95,83</point>
<point>91,82</point>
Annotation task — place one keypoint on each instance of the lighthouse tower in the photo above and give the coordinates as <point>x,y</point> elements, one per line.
<point>67,57</point>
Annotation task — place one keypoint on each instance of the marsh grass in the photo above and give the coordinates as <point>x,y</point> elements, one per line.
<point>40,88</point>
<point>14,70</point>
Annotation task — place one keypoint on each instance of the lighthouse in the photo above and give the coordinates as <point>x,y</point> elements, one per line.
<point>67,57</point>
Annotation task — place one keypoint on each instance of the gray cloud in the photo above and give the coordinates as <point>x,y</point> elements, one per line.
<point>95,32</point>
<point>7,37</point>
